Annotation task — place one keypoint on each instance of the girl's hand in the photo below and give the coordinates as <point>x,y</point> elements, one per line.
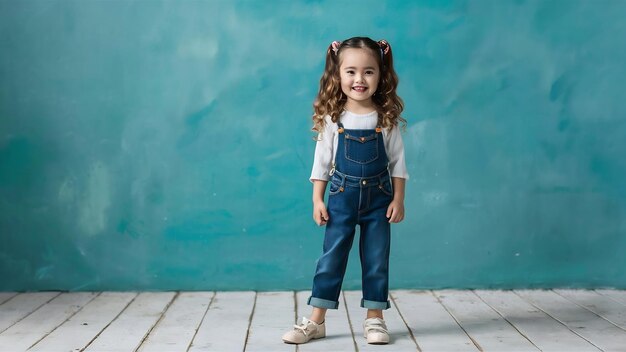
<point>395,212</point>
<point>320,215</point>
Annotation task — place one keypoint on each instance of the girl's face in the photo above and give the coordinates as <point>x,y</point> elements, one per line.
<point>359,74</point>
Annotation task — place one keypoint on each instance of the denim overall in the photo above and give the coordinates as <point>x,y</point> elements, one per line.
<point>360,193</point>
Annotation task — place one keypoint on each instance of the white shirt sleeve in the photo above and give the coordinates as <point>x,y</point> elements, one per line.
<point>324,151</point>
<point>395,153</point>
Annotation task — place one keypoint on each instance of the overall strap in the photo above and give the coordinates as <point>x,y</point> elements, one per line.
<point>340,130</point>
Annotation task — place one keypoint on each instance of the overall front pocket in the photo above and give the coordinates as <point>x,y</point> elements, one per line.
<point>361,149</point>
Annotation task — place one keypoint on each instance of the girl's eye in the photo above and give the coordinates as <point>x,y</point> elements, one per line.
<point>369,72</point>
<point>350,72</point>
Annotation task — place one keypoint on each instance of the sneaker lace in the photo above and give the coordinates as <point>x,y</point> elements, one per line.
<point>303,328</point>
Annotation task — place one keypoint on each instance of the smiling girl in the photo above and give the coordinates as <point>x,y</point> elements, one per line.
<point>360,153</point>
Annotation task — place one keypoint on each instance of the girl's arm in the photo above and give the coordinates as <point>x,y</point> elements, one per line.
<point>395,152</point>
<point>320,215</point>
<point>395,212</point>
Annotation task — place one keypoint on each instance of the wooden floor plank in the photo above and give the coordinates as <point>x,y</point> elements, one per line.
<point>273,313</point>
<point>225,325</point>
<point>400,337</point>
<point>486,327</point>
<point>433,327</point>
<point>558,320</point>
<point>616,295</point>
<point>20,306</point>
<point>545,332</point>
<point>178,325</point>
<point>594,329</point>
<point>599,304</point>
<point>37,325</point>
<point>78,331</point>
<point>131,327</point>
<point>5,296</point>
<point>338,331</point>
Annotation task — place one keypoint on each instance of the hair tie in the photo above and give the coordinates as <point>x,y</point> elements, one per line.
<point>384,47</point>
<point>334,46</point>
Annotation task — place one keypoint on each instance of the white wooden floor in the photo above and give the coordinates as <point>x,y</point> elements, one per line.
<point>523,320</point>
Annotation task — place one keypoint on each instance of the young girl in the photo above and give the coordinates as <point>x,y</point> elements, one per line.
<point>360,152</point>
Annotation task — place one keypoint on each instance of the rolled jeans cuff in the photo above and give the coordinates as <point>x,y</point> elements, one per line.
<point>374,304</point>
<point>322,303</point>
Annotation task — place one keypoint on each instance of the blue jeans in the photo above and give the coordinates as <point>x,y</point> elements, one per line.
<point>355,201</point>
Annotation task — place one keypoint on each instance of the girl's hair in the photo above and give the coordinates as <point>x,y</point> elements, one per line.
<point>331,99</point>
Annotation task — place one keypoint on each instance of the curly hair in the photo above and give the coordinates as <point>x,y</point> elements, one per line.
<point>331,100</point>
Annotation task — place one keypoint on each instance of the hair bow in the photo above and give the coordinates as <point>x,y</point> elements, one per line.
<point>335,46</point>
<point>384,47</point>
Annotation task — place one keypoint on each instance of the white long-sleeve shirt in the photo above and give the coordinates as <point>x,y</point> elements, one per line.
<point>328,139</point>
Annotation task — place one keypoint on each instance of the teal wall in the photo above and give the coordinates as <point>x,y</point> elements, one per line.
<point>167,145</point>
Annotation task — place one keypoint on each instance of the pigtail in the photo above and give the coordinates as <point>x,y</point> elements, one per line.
<point>330,99</point>
<point>389,104</point>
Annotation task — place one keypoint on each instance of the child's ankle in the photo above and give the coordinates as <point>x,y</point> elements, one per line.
<point>316,321</point>
<point>374,315</point>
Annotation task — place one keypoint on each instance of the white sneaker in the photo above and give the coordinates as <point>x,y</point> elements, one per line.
<point>375,330</point>
<point>304,332</point>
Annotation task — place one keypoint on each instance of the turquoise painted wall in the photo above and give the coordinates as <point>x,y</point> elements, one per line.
<point>167,145</point>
